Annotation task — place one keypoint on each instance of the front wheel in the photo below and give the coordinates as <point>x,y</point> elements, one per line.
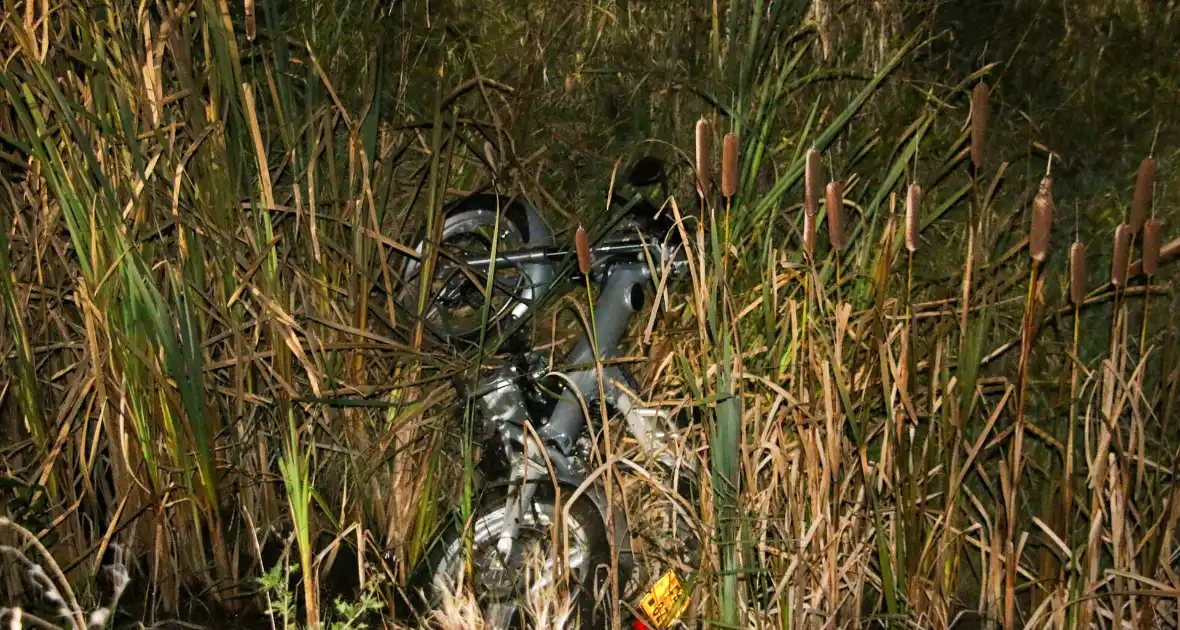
<point>452,300</point>
<point>511,590</point>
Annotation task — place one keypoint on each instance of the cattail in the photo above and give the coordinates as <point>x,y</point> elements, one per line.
<point>1077,273</point>
<point>1141,201</point>
<point>811,179</point>
<point>729,165</point>
<point>582,242</point>
<point>702,157</point>
<point>809,235</point>
<point>1122,254</point>
<point>1042,220</point>
<point>979,104</point>
<point>1151,246</point>
<point>835,203</point>
<point>913,201</point>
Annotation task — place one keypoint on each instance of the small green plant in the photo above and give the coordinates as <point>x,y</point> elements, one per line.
<point>280,602</point>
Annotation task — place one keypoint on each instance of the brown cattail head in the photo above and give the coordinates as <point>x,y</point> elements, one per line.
<point>1077,273</point>
<point>1141,201</point>
<point>1122,254</point>
<point>809,235</point>
<point>979,105</point>
<point>913,208</point>
<point>582,242</point>
<point>811,182</point>
<point>1151,246</point>
<point>702,157</point>
<point>835,203</point>
<point>729,165</point>
<point>1042,220</point>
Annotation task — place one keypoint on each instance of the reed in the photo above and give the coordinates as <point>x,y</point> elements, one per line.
<point>1077,274</point>
<point>202,225</point>
<point>1077,294</point>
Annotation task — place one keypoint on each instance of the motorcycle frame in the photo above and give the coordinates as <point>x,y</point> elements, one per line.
<point>623,293</point>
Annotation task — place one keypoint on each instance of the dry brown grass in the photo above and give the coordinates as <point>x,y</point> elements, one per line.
<point>893,459</point>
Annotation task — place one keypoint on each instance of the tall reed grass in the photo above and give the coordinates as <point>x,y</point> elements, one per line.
<point>203,227</point>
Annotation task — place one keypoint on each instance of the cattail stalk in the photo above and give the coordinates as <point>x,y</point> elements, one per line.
<point>703,158</point>
<point>835,204</point>
<point>1141,201</point>
<point>1077,294</point>
<point>729,186</point>
<point>1038,244</point>
<point>979,115</point>
<point>726,452</point>
<point>1038,241</point>
<point>1077,274</point>
<point>913,205</point>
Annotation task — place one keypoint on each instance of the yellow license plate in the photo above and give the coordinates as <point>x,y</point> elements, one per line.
<point>665,601</point>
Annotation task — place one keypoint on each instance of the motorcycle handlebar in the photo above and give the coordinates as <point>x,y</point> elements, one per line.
<point>602,254</point>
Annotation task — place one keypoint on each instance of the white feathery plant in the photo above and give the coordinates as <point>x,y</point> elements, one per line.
<point>56,589</point>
